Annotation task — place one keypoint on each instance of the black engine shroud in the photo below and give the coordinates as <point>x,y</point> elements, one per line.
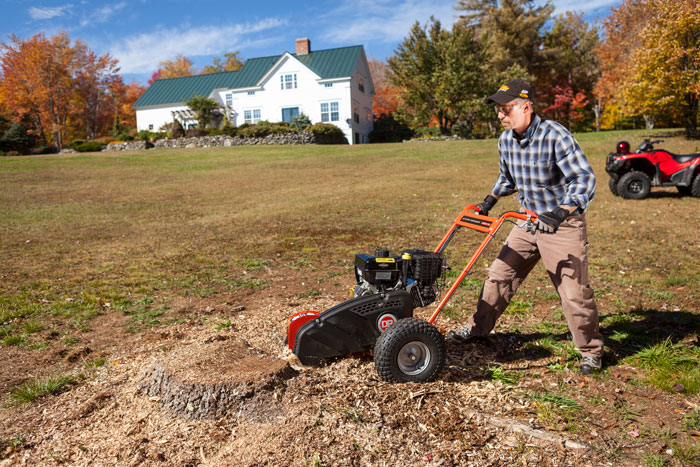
<point>388,288</point>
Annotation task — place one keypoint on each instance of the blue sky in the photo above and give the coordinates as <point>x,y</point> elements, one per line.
<point>141,33</point>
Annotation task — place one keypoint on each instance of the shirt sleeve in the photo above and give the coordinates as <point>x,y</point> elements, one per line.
<point>505,185</point>
<point>578,174</point>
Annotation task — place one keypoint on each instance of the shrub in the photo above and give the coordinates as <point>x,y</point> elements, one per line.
<point>229,130</point>
<point>263,128</point>
<point>89,146</point>
<point>388,129</point>
<point>327,133</point>
<point>300,122</point>
<point>46,150</point>
<point>16,138</point>
<point>461,129</point>
<point>177,130</point>
<point>146,135</point>
<point>74,143</point>
<point>427,132</point>
<point>196,132</point>
<point>124,137</point>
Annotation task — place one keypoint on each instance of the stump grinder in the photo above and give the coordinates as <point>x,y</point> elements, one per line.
<point>380,314</point>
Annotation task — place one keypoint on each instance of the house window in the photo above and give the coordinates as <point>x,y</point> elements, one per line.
<point>288,81</point>
<point>251,116</point>
<point>329,112</point>
<point>289,113</point>
<point>355,113</point>
<point>361,83</point>
<point>368,114</point>
<point>150,127</point>
<point>251,93</point>
<point>229,99</point>
<point>328,85</point>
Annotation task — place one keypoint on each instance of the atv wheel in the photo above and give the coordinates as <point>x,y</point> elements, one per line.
<point>612,184</point>
<point>634,185</point>
<point>411,350</point>
<point>695,187</point>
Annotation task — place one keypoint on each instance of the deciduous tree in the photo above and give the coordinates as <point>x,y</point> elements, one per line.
<point>96,80</point>
<point>667,63</point>
<point>565,84</point>
<point>386,97</point>
<point>231,63</point>
<point>181,66</point>
<point>38,82</point>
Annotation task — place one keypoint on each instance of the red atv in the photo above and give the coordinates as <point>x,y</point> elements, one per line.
<point>633,174</point>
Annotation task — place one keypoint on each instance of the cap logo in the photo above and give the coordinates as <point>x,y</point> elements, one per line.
<point>503,88</point>
<point>524,93</point>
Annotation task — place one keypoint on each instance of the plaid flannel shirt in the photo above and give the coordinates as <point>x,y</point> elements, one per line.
<point>546,167</point>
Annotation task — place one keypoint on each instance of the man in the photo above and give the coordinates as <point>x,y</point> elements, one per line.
<point>542,161</point>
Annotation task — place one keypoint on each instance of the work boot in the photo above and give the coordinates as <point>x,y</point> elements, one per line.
<point>590,365</point>
<point>460,336</point>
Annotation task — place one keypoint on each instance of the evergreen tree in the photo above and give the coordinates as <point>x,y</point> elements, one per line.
<point>441,75</point>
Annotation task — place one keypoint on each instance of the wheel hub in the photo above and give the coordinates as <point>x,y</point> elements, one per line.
<point>413,358</point>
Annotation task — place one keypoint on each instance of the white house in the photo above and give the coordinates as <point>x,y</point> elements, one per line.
<point>331,86</point>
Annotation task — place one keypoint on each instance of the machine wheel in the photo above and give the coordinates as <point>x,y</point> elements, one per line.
<point>612,184</point>
<point>634,185</point>
<point>695,187</point>
<point>411,350</point>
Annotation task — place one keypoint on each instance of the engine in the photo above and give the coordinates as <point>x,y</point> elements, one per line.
<point>418,272</point>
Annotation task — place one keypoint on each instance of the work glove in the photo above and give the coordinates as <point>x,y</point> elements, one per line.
<point>549,221</point>
<point>485,206</point>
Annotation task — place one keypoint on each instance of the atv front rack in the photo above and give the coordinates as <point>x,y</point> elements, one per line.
<point>470,219</point>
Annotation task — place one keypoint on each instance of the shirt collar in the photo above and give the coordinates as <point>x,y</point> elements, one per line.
<point>526,138</point>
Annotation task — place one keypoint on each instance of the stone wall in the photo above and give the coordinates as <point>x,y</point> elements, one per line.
<point>210,141</point>
<point>128,146</point>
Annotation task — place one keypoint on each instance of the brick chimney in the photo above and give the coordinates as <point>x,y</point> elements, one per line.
<point>303,46</point>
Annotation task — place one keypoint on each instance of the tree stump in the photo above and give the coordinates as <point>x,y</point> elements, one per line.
<point>213,378</point>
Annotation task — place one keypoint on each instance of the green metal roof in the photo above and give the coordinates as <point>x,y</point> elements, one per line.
<point>329,63</point>
<point>332,63</point>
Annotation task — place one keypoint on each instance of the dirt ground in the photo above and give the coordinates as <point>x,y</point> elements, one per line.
<point>340,414</point>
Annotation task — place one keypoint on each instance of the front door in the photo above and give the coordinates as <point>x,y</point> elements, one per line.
<point>288,113</point>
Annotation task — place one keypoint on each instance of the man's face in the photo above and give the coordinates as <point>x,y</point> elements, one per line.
<point>514,115</point>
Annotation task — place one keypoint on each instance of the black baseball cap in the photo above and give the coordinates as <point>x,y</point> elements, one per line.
<point>513,89</point>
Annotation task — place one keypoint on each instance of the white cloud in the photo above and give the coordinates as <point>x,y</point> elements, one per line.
<point>382,21</point>
<point>47,12</point>
<point>102,15</point>
<point>142,53</point>
<point>561,6</point>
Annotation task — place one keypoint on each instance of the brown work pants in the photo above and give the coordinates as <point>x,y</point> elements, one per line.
<point>565,256</point>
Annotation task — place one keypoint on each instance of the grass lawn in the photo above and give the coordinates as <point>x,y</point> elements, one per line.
<point>84,238</point>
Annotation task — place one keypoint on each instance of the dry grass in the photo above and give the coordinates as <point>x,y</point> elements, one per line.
<point>112,244</point>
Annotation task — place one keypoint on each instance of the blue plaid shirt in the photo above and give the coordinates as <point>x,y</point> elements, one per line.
<point>546,167</point>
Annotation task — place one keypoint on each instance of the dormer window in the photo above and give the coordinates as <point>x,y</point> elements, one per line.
<point>288,81</point>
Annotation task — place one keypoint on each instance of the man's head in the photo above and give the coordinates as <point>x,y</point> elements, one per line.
<point>513,103</point>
